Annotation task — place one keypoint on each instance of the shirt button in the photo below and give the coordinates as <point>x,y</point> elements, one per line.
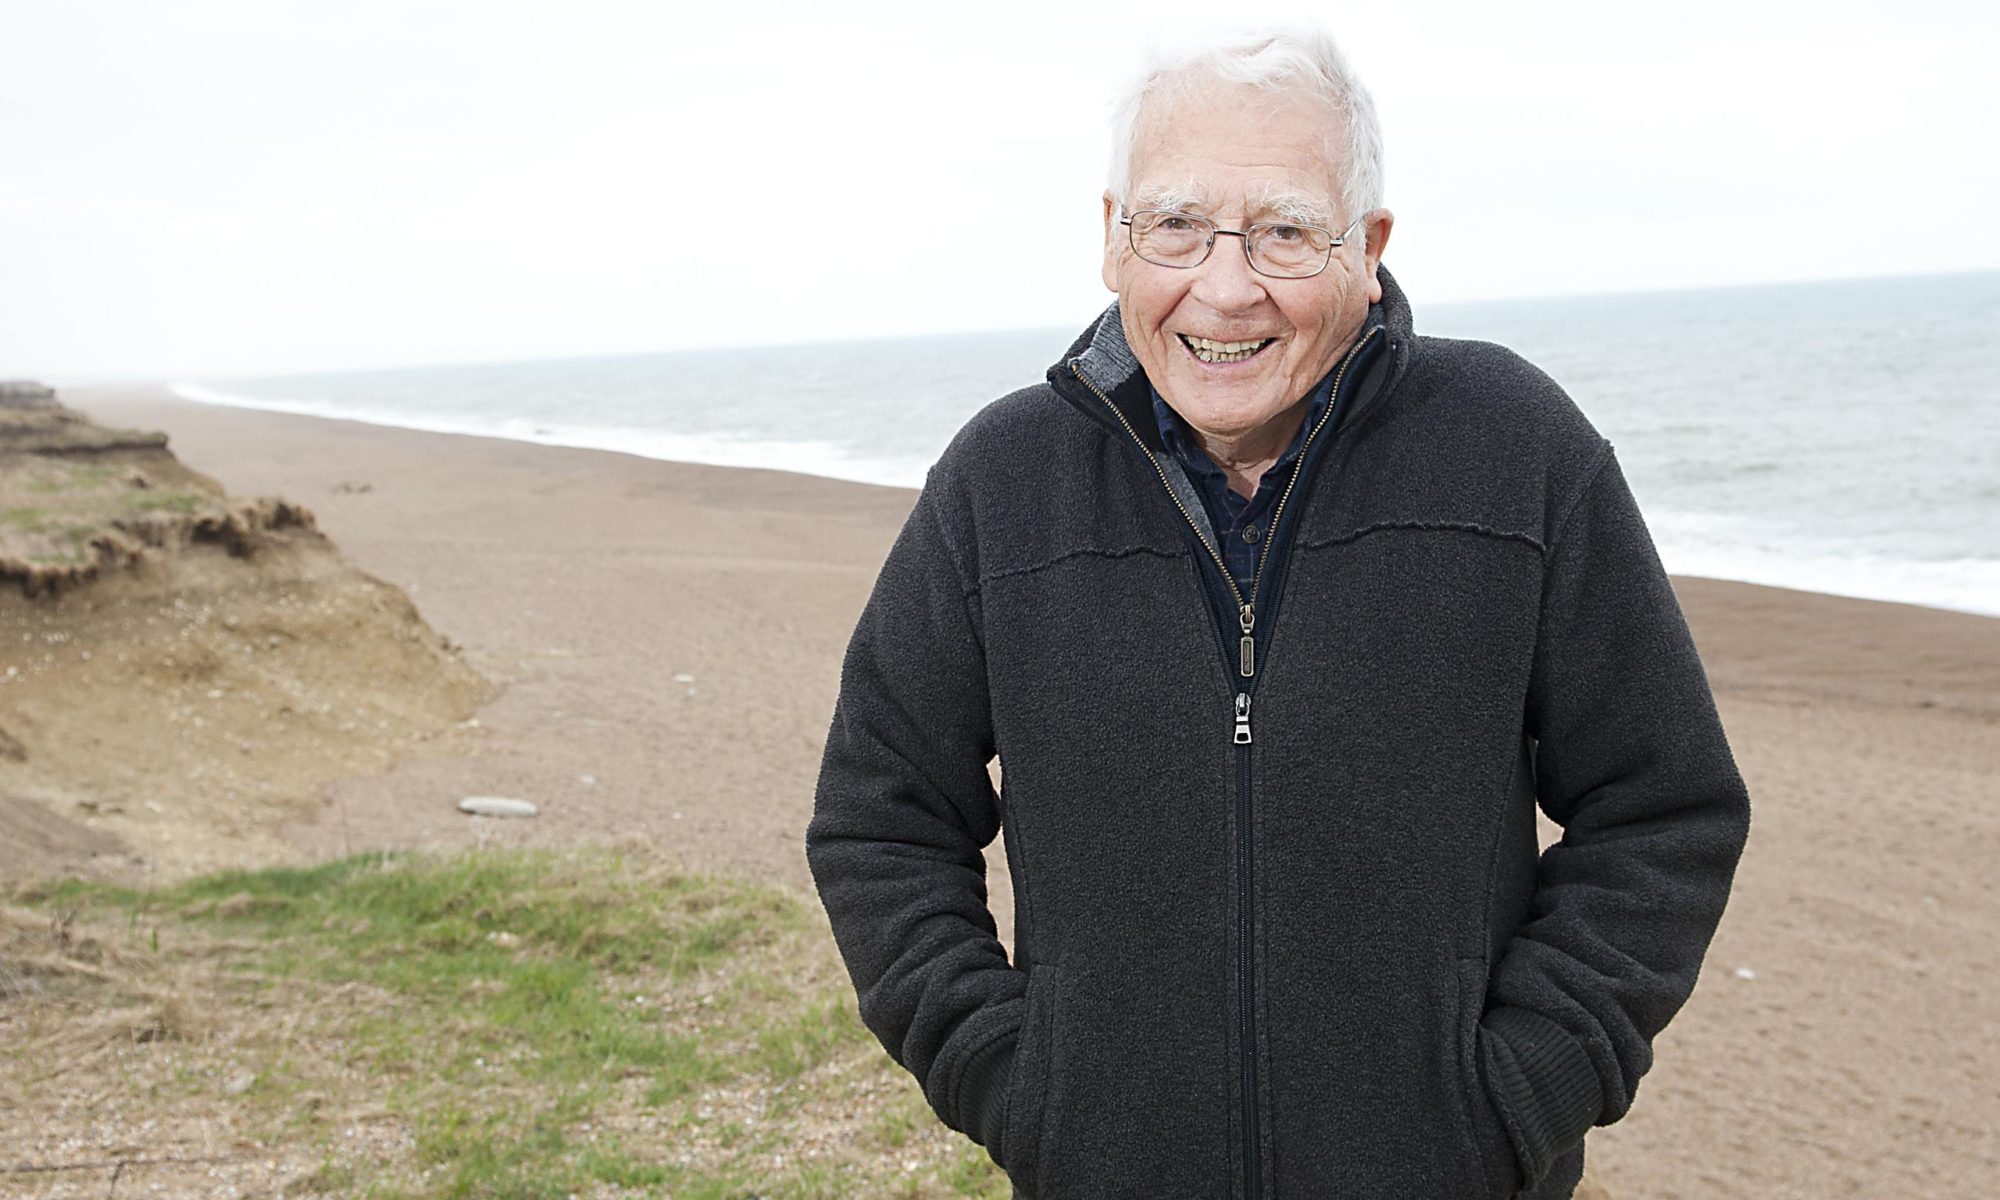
<point>1250,533</point>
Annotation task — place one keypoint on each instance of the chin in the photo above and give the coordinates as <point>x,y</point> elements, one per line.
<point>1228,414</point>
<point>1243,399</point>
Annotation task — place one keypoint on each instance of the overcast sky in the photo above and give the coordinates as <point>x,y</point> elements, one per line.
<point>221,187</point>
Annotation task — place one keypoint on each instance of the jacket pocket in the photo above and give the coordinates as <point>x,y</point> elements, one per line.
<point>1027,1082</point>
<point>1486,1137</point>
<point>1134,1101</point>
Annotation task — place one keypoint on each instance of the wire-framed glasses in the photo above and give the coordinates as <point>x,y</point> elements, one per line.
<point>1282,250</point>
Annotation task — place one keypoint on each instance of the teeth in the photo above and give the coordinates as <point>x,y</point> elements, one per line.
<point>1209,350</point>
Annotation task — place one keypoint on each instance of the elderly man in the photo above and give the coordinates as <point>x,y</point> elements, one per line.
<point>1282,620</point>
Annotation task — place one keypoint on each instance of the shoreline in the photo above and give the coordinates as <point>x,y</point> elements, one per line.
<point>744,456</point>
<point>733,455</point>
<point>668,639</point>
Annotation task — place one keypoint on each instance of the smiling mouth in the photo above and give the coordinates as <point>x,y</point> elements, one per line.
<point>1209,350</point>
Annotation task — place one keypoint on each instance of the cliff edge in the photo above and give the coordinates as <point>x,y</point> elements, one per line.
<point>180,669</point>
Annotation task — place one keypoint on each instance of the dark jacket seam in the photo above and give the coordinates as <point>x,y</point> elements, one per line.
<point>1431,526</point>
<point>975,613</point>
<point>951,555</point>
<point>1576,501</point>
<point>1125,552</point>
<point>1499,834</point>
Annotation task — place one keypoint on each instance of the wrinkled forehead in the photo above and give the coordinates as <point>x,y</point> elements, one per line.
<point>1268,199</point>
<point>1217,147</point>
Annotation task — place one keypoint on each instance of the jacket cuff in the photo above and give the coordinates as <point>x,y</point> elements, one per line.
<point>1541,1080</point>
<point>982,1110</point>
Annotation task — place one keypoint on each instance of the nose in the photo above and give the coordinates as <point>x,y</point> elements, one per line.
<point>1224,280</point>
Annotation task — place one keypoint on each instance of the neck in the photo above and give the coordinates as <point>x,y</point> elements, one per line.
<point>1246,456</point>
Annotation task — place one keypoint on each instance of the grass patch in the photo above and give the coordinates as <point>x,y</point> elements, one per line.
<point>496,1024</point>
<point>77,476</point>
<point>174,502</point>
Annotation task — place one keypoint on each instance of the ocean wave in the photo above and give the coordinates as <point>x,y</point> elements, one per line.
<point>803,457</point>
<point>1964,584</point>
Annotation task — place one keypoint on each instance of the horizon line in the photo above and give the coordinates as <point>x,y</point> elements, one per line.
<point>65,379</point>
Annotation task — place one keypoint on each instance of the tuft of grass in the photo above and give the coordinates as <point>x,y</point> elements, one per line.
<point>174,502</point>
<point>534,1024</point>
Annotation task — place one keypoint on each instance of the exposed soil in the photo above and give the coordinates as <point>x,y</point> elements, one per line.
<point>181,671</point>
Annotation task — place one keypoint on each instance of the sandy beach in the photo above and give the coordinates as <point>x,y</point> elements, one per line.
<point>668,638</point>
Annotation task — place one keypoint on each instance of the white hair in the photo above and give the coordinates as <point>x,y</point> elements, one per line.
<point>1296,60</point>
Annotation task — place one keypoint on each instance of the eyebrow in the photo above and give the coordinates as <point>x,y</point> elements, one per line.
<point>1175,197</point>
<point>1296,207</point>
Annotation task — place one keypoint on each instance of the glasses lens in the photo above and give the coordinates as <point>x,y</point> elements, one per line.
<point>1170,239</point>
<point>1289,251</point>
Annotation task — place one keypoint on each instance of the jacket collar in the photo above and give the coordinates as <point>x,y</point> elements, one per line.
<point>1101,359</point>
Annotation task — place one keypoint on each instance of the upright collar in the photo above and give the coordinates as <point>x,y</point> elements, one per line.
<point>1100,364</point>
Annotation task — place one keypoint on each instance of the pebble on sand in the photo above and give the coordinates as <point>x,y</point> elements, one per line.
<point>496,806</point>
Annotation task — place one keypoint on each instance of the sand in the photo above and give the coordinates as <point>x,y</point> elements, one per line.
<point>668,637</point>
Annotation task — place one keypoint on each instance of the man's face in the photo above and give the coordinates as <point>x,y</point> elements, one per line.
<point>1238,156</point>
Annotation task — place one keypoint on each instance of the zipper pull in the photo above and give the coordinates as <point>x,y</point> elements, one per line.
<point>1242,719</point>
<point>1246,650</point>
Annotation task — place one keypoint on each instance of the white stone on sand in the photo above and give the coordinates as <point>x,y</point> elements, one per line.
<point>496,806</point>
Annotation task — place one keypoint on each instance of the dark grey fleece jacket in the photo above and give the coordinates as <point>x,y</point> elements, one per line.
<point>1284,935</point>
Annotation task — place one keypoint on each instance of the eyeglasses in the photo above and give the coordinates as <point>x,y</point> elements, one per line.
<point>1280,250</point>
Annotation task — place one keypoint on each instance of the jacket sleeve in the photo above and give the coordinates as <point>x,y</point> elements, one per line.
<point>903,808</point>
<point>1630,759</point>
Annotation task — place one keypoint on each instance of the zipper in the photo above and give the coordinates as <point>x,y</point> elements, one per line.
<point>1246,608</point>
<point>1246,668</point>
<point>1246,962</point>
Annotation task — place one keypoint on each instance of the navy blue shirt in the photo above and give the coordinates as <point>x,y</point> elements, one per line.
<point>1240,525</point>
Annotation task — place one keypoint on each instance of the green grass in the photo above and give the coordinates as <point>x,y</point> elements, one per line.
<point>52,517</point>
<point>528,1014</point>
<point>77,477</point>
<point>176,502</point>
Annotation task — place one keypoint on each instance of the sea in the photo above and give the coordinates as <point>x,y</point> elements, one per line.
<point>1838,437</point>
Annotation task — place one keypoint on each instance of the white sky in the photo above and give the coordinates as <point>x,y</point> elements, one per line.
<point>204,188</point>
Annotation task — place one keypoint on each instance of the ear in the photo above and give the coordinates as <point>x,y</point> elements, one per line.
<point>1379,223</point>
<point>1113,241</point>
